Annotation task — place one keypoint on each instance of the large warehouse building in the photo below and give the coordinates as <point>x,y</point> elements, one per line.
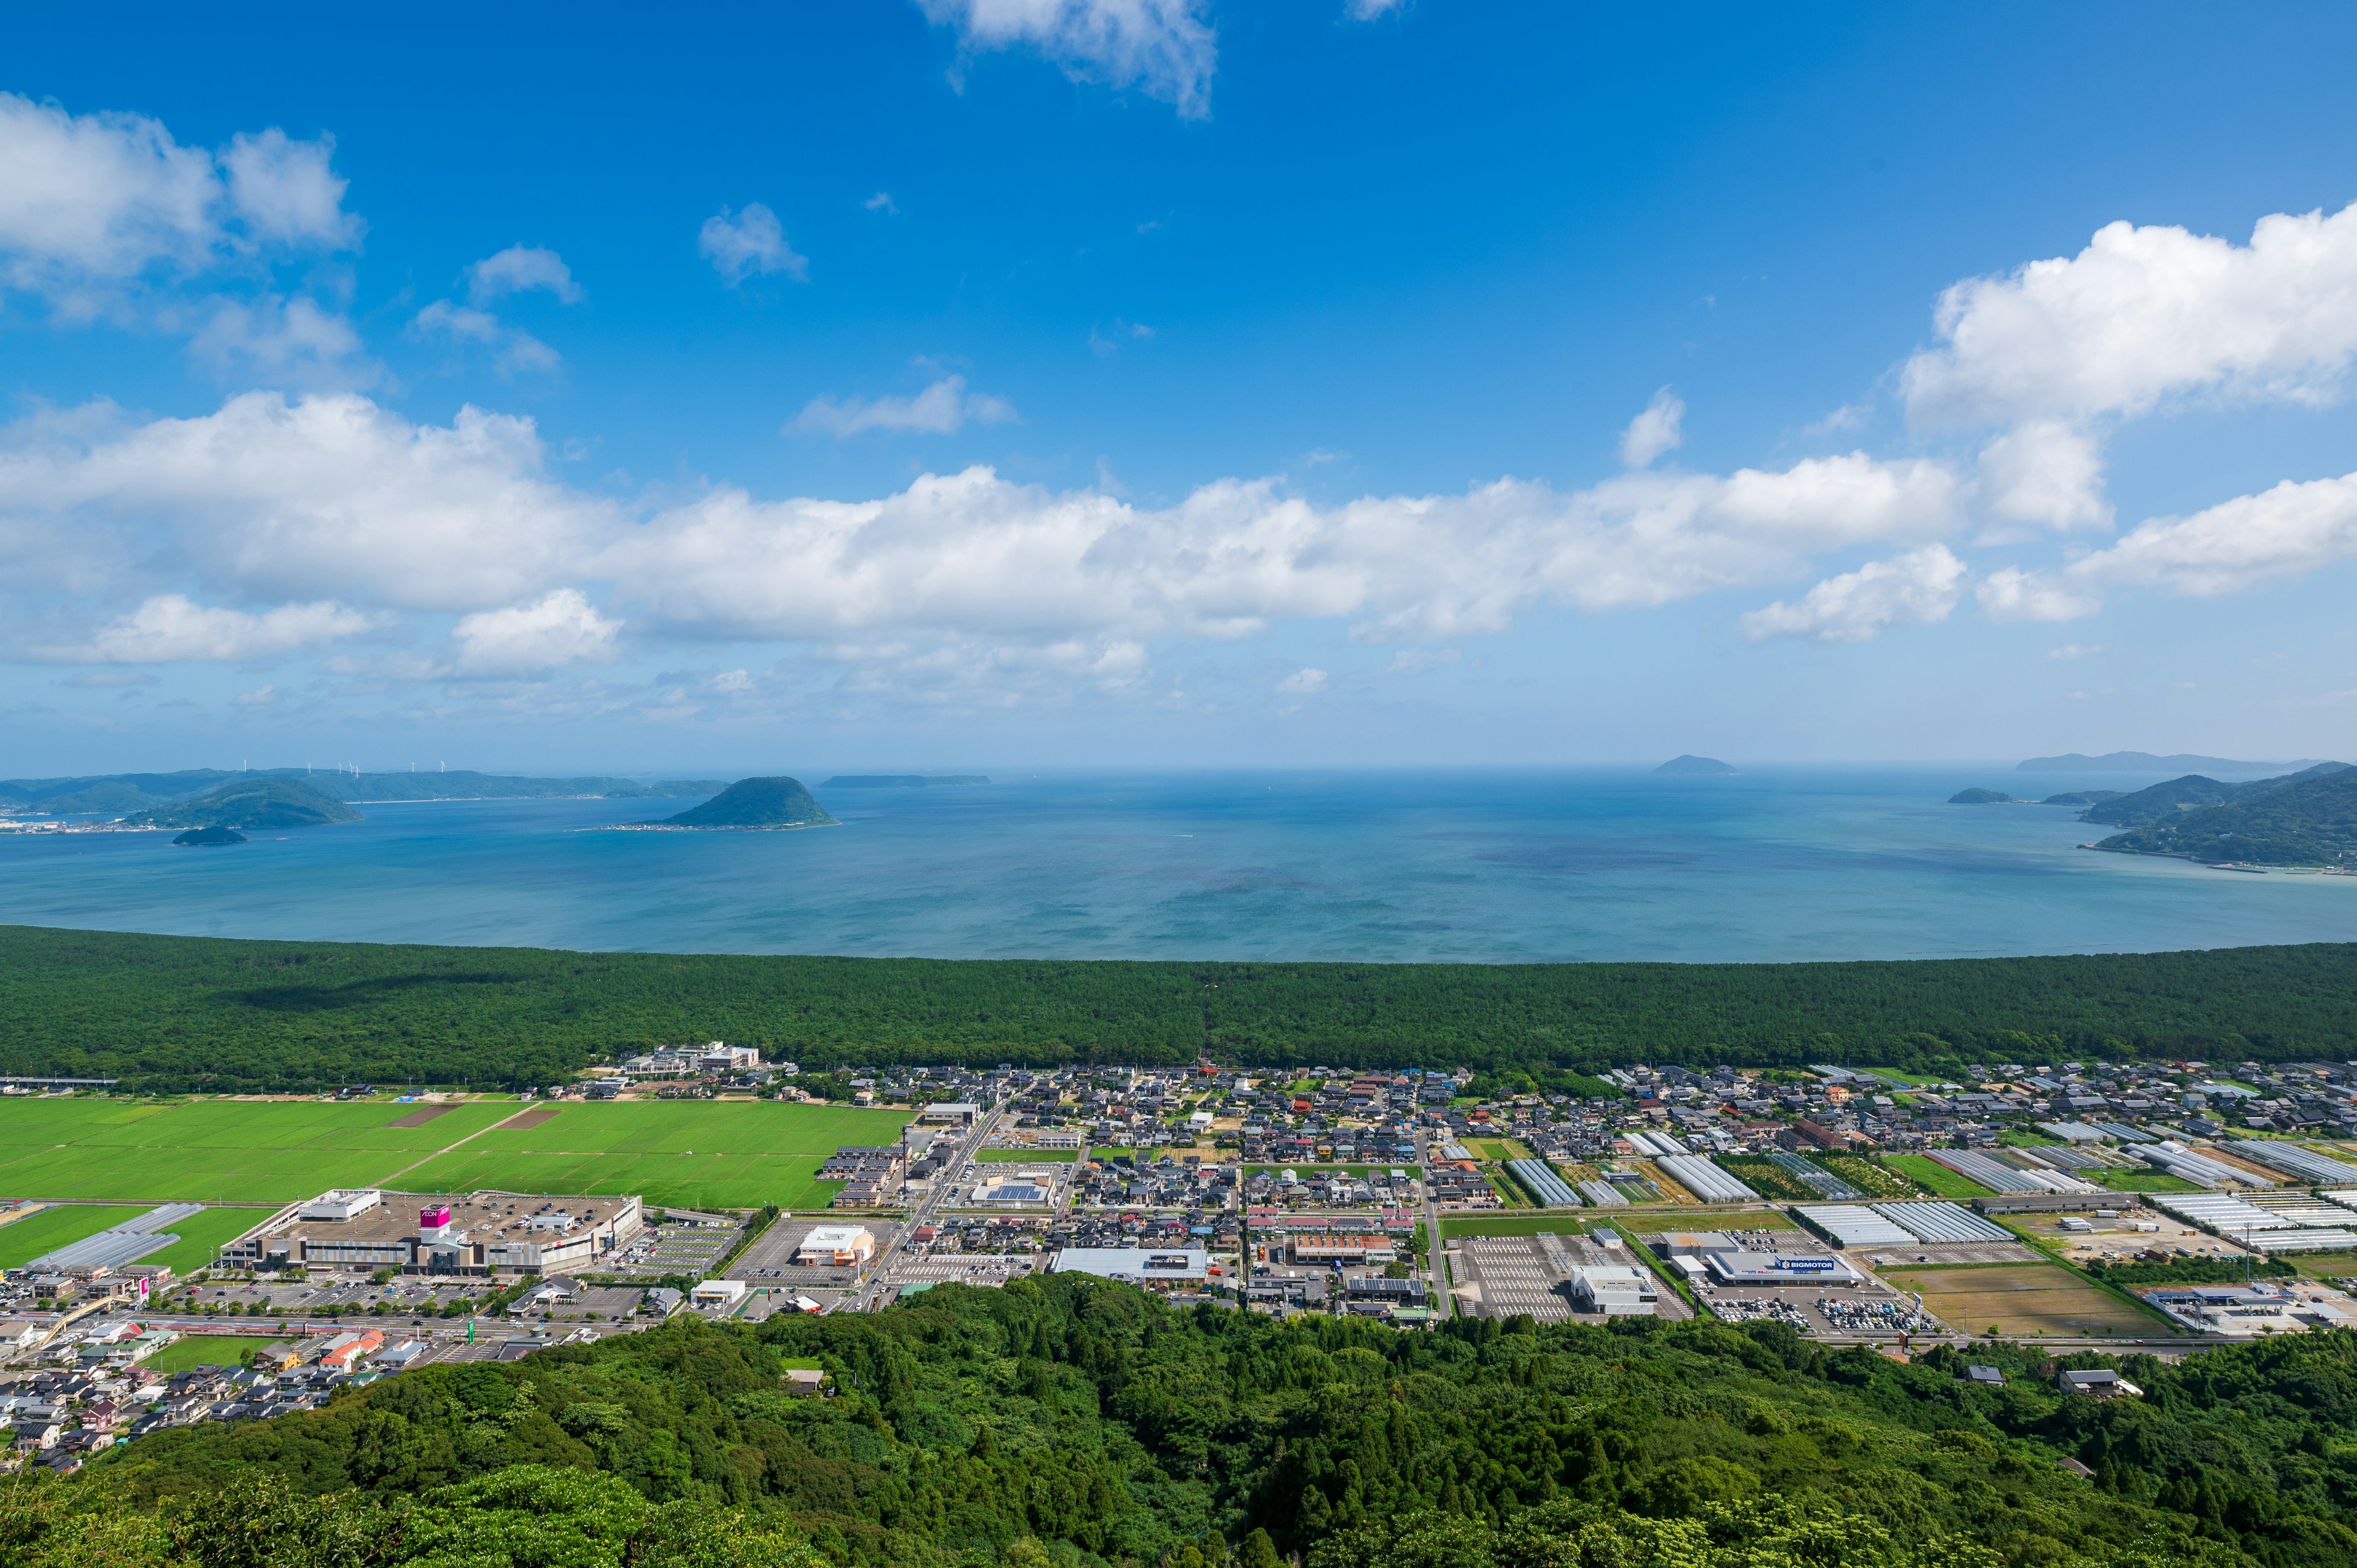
<point>429,1233</point>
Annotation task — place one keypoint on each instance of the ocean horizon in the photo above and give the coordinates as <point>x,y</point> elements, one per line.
<point>1469,866</point>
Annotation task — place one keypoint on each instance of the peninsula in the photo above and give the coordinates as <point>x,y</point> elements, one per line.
<point>756,805</point>
<point>266,801</point>
<point>2309,822</point>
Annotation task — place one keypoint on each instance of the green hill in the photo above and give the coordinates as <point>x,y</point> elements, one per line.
<point>117,792</point>
<point>1071,1422</point>
<point>756,803</point>
<point>2310,822</point>
<point>2161,802</point>
<point>252,802</point>
<point>1986,797</point>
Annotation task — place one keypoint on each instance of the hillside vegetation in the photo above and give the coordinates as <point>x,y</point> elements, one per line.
<point>2312,822</point>
<point>250,803</point>
<point>1071,1420</point>
<point>2170,802</point>
<point>194,1013</point>
<point>102,792</point>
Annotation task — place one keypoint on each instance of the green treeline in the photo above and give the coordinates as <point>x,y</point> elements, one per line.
<point>1064,1420</point>
<point>196,1013</point>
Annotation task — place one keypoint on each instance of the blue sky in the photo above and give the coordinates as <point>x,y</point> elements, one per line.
<point>1147,381</point>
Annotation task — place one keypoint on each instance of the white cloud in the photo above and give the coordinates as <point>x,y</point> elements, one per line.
<point>512,349</point>
<point>2012,593</point>
<point>559,629</point>
<point>2142,315</point>
<point>750,244</point>
<point>1164,48</point>
<point>882,202</point>
<point>977,554</point>
<point>2045,472</point>
<point>260,697</point>
<point>2076,650</point>
<point>1655,431</point>
<point>330,496</point>
<point>2292,528</point>
<point>1302,683</point>
<point>1368,10</point>
<point>170,629</point>
<point>285,342</point>
<point>520,268</point>
<point>940,409</point>
<point>286,191</point>
<point>89,203</point>
<point>1913,589</point>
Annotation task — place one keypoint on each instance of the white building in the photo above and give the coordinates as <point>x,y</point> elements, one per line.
<point>719,1058</point>
<point>1780,1269</point>
<point>836,1246</point>
<point>719,1292</point>
<point>1615,1290</point>
<point>1136,1266</point>
<point>341,1204</point>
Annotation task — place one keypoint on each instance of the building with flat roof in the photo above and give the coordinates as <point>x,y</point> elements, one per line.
<point>478,1233</point>
<point>1162,1266</point>
<point>1616,1290</point>
<point>1780,1269</point>
<point>954,1114</point>
<point>836,1246</point>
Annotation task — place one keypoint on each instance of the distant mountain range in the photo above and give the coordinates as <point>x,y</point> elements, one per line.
<point>117,792</point>
<point>2146,762</point>
<point>2306,818</point>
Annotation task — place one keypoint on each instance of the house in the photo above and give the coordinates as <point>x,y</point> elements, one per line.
<point>278,1356</point>
<point>662,1301</point>
<point>805,1380</point>
<point>36,1434</point>
<point>1987,1376</point>
<point>16,1333</point>
<point>2100,1383</point>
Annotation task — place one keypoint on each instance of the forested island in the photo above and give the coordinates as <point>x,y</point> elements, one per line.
<point>200,1013</point>
<point>1066,1420</point>
<point>753,804</point>
<point>262,802</point>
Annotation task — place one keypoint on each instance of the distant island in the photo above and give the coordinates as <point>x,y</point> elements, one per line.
<point>2306,819</point>
<point>900,780</point>
<point>2146,762</point>
<point>100,792</point>
<point>756,805</point>
<point>1691,764</point>
<point>254,802</point>
<point>1999,798</point>
<point>203,837</point>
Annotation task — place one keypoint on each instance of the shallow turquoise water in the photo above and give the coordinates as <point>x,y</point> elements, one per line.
<point>1496,865</point>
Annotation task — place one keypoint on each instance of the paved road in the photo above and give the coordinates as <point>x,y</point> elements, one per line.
<point>1444,1299</point>
<point>867,1293</point>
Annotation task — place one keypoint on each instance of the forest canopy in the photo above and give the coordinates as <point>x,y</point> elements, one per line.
<point>182,1013</point>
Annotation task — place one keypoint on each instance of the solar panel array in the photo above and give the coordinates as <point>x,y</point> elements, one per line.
<point>1543,1184</point>
<point>2293,1160</point>
<point>1943,1221</point>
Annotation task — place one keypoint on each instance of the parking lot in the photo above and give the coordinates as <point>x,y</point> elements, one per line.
<point>769,1261</point>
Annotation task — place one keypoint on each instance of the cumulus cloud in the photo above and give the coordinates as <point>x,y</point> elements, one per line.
<point>1914,589</point>
<point>2292,528</point>
<point>1165,48</point>
<point>328,496</point>
<point>1302,683</point>
<point>559,629</point>
<point>512,349</point>
<point>2045,472</point>
<point>1654,430</point>
<point>2142,315</point>
<point>90,203</point>
<point>170,629</point>
<point>285,342</point>
<point>2012,593</point>
<point>751,244</point>
<point>941,408</point>
<point>518,269</point>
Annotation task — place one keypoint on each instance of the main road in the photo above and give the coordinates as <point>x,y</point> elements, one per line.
<point>866,1293</point>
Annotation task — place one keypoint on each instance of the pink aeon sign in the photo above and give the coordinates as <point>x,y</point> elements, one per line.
<point>437,1216</point>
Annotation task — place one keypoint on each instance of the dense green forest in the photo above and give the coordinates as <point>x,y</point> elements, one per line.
<point>195,1012</point>
<point>1071,1421</point>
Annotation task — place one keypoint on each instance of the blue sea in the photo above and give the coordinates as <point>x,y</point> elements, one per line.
<point>1474,867</point>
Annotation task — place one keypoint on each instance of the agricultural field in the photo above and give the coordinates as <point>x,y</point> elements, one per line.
<point>2140,1178</point>
<point>2019,1300</point>
<point>695,1153</point>
<point>1876,1179</point>
<point>206,1350</point>
<point>228,1151</point>
<point>1932,1174</point>
<point>203,1234</point>
<point>1766,1179</point>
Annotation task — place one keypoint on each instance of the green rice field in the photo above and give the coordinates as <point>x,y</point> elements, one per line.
<point>24,1240</point>
<point>688,1153</point>
<point>206,1350</point>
